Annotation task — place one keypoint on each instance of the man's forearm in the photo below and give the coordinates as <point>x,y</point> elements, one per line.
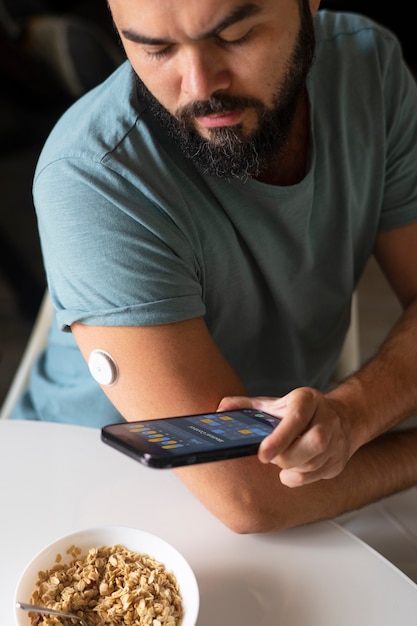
<point>249,497</point>
<point>384,392</point>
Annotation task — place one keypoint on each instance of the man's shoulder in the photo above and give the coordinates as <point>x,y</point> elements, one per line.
<point>352,49</point>
<point>354,29</point>
<point>94,125</point>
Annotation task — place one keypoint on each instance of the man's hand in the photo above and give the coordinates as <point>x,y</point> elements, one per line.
<point>312,442</point>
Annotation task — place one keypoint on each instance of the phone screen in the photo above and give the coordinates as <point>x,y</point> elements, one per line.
<point>190,439</point>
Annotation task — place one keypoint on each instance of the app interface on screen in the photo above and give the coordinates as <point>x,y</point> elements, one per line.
<point>205,430</point>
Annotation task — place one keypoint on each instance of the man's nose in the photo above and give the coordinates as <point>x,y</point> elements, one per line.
<point>203,74</point>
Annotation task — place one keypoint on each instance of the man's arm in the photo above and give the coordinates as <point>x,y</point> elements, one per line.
<point>385,390</point>
<point>178,369</point>
<point>319,433</point>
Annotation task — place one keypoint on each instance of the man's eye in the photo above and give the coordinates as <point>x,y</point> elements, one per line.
<point>158,53</point>
<point>230,40</point>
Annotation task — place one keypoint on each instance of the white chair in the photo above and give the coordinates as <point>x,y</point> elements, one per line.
<point>36,342</point>
<point>349,359</point>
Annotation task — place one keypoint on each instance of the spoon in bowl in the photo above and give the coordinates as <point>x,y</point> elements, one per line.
<point>40,609</point>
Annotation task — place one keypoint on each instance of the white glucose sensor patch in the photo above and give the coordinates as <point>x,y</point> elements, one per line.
<point>103,367</point>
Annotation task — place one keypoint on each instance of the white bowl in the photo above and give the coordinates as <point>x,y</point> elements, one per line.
<point>132,539</point>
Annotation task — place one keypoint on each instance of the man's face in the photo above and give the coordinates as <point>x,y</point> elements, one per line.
<point>224,76</point>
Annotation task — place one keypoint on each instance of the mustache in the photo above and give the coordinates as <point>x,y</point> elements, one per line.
<point>216,104</point>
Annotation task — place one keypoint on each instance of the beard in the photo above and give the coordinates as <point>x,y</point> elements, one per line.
<point>229,152</point>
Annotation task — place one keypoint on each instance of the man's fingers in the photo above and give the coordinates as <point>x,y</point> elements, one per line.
<point>295,436</point>
<point>297,477</point>
<point>229,403</point>
<point>309,452</point>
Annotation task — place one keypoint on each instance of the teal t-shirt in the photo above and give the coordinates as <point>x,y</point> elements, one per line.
<point>132,234</point>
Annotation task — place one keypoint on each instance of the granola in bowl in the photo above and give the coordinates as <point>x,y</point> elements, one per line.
<point>140,580</point>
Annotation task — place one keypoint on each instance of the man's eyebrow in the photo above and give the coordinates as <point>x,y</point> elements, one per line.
<point>237,15</point>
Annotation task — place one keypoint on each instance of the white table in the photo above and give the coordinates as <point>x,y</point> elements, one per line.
<point>57,479</point>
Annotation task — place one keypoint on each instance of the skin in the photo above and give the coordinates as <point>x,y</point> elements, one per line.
<point>189,64</point>
<point>331,447</point>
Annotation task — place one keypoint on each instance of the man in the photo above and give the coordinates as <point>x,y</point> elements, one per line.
<point>205,219</point>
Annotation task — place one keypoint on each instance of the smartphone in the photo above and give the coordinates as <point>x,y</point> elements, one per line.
<point>191,439</point>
